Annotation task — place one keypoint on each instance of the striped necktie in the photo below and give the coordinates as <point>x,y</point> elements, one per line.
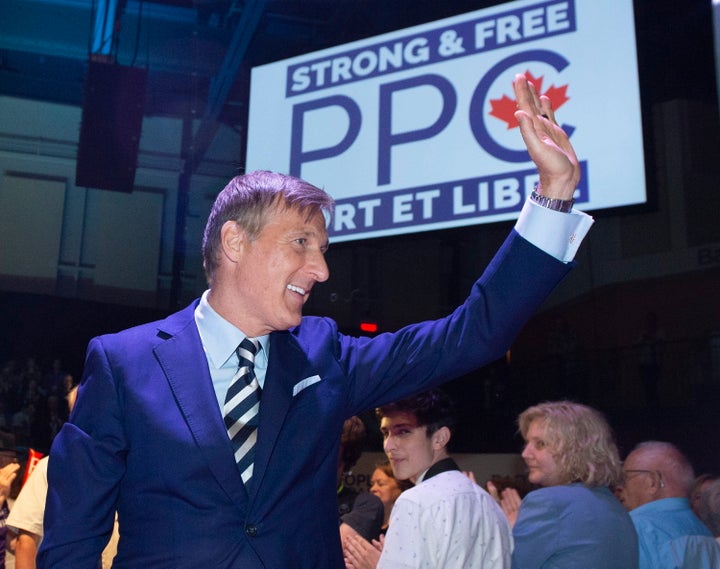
<point>242,404</point>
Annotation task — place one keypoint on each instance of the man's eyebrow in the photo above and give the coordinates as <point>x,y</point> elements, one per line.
<point>400,426</point>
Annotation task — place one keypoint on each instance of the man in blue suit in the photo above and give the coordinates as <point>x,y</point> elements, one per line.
<point>147,438</point>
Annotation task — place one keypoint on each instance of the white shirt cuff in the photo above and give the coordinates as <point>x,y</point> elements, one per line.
<point>558,234</point>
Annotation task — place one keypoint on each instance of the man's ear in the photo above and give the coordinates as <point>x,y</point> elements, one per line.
<point>441,438</point>
<point>656,483</point>
<point>231,240</point>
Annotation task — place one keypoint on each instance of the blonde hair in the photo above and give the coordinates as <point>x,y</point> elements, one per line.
<point>579,439</point>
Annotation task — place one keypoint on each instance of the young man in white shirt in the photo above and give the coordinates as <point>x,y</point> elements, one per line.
<point>446,520</point>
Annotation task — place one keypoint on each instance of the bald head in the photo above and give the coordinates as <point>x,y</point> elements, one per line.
<point>655,470</point>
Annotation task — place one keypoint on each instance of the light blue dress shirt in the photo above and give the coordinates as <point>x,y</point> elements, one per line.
<point>671,536</point>
<point>220,339</point>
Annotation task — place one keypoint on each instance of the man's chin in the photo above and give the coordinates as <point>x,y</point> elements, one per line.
<point>294,320</point>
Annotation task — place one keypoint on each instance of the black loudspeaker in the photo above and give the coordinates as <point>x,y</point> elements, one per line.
<point>111,125</point>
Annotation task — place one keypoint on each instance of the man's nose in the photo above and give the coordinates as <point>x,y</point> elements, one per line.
<point>318,267</point>
<point>388,444</point>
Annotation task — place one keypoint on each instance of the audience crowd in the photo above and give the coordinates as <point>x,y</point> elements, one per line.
<point>33,403</point>
<point>673,514</point>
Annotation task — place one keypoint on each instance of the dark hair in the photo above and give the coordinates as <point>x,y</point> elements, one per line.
<point>352,441</point>
<point>248,199</point>
<point>433,409</point>
<point>710,506</point>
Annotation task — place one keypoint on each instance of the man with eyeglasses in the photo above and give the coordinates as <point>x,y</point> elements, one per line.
<point>657,479</point>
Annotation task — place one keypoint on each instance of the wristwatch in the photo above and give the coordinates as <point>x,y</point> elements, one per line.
<point>552,203</point>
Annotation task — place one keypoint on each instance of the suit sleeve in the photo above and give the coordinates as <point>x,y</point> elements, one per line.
<point>425,355</point>
<point>85,466</point>
<point>366,516</point>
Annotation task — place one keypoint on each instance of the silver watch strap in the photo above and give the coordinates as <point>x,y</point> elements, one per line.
<point>552,203</point>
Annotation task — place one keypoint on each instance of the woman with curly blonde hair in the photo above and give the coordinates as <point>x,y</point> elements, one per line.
<point>574,519</point>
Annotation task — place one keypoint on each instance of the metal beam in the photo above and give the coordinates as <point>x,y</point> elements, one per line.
<point>195,147</point>
<point>223,81</point>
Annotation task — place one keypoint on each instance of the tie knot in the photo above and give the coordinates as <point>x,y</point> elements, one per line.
<point>247,349</point>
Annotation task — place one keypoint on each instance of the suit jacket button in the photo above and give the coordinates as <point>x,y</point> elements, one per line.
<point>251,530</point>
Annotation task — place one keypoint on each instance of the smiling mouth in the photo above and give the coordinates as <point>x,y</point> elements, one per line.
<point>297,289</point>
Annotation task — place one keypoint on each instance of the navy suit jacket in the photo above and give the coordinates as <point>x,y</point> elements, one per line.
<point>147,438</point>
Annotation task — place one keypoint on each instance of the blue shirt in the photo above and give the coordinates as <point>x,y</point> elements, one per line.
<point>573,527</point>
<point>671,536</point>
<point>220,339</point>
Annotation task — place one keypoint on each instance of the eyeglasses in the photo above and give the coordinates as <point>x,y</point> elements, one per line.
<point>629,472</point>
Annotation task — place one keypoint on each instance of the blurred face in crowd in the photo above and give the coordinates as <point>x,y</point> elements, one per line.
<point>697,492</point>
<point>384,487</point>
<point>641,480</point>
<point>542,466</point>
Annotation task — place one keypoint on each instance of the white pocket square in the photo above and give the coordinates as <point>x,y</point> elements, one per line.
<point>308,381</point>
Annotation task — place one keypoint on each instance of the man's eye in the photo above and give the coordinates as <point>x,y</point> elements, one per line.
<point>539,445</point>
<point>301,241</point>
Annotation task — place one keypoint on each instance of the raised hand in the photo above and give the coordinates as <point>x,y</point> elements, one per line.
<point>7,475</point>
<point>547,143</point>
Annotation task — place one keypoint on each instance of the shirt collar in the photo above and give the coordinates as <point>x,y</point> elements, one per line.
<point>220,339</point>
<point>443,465</point>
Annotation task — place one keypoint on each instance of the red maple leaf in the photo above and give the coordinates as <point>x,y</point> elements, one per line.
<point>505,107</point>
<point>558,96</point>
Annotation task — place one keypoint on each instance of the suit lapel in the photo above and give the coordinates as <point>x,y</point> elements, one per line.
<point>185,365</point>
<point>286,366</point>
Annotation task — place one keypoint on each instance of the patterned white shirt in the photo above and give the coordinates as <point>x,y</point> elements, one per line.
<point>447,522</point>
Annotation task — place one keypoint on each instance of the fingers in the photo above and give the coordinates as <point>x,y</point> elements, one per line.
<point>9,472</point>
<point>547,143</point>
<point>547,109</point>
<point>7,475</point>
<point>511,495</point>
<point>359,553</point>
<point>357,545</point>
<point>509,501</point>
<point>510,504</point>
<point>535,106</point>
<point>493,491</point>
<point>533,114</point>
<point>526,96</point>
